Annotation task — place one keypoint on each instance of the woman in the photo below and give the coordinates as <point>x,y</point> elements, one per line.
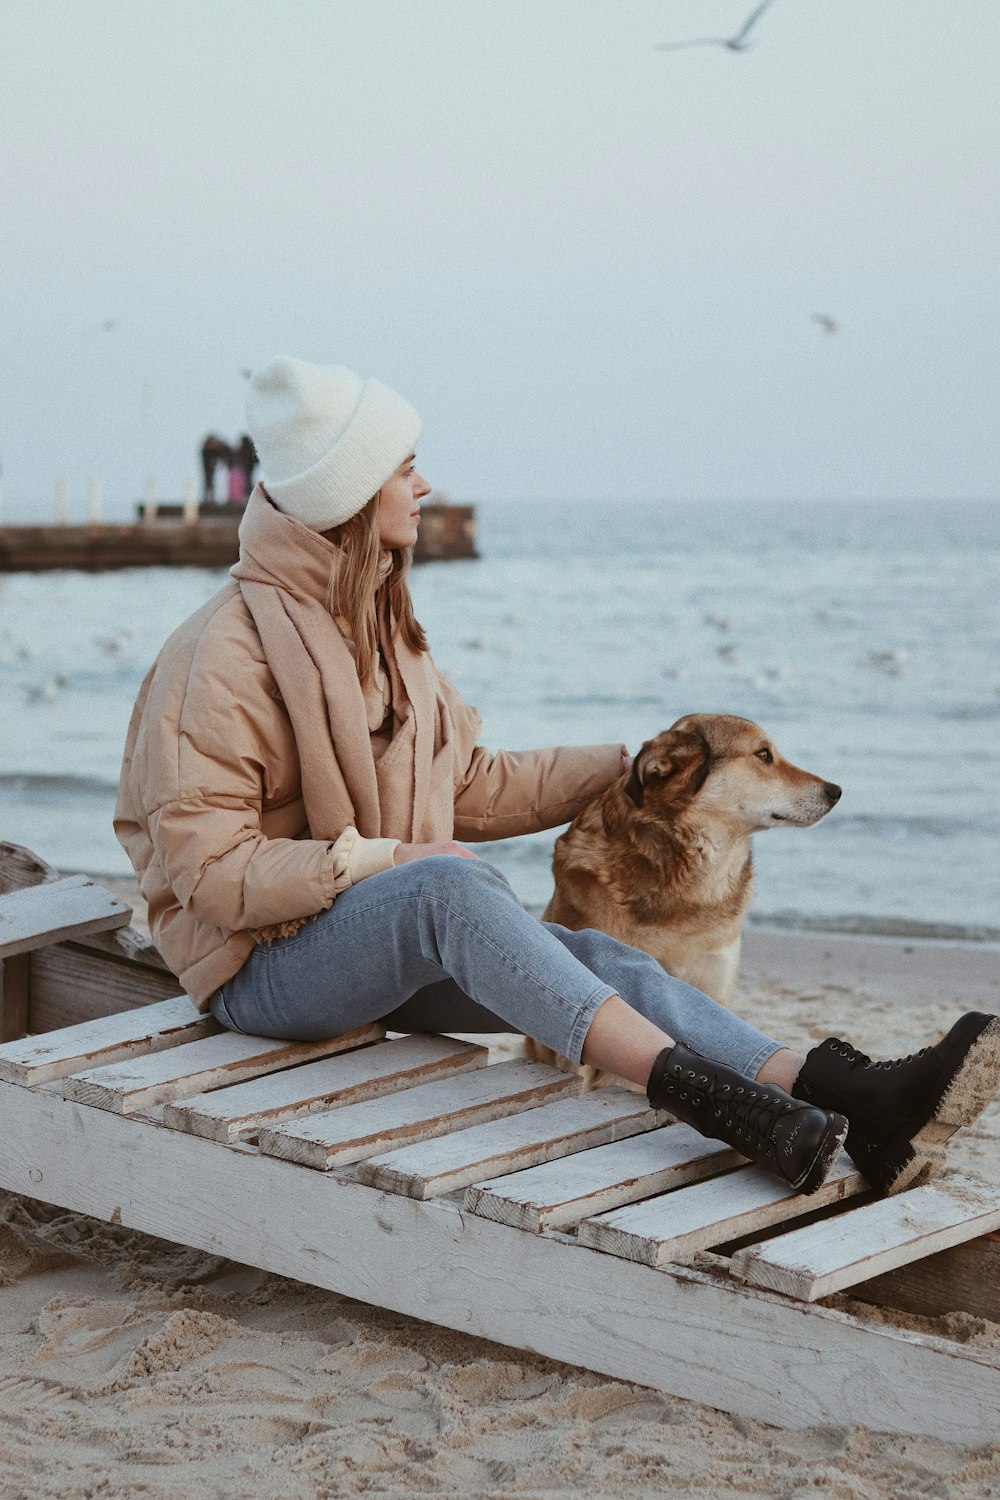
<point>296,775</point>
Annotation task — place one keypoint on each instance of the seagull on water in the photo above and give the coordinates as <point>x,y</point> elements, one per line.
<point>737,43</point>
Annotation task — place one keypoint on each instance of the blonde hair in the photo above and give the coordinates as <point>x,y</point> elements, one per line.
<point>356,593</point>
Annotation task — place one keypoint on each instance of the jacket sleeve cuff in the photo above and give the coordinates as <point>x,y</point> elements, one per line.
<point>369,856</point>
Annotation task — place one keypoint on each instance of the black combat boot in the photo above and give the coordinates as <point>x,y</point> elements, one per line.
<point>761,1121</point>
<point>902,1112</point>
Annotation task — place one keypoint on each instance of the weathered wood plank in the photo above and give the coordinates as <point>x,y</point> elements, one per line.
<point>827,1257</point>
<point>962,1279</point>
<point>356,1131</point>
<point>20,867</point>
<point>127,943</point>
<point>671,1229</point>
<point>15,979</point>
<point>558,1194</point>
<point>686,1332</point>
<point>368,1073</point>
<point>454,1161</point>
<point>228,1057</point>
<point>54,910</point>
<point>37,1059</point>
<point>71,983</point>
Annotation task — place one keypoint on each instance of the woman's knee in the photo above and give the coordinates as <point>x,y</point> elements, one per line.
<point>596,948</point>
<point>458,880</point>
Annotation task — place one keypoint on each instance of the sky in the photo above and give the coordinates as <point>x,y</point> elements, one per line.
<point>592,266</point>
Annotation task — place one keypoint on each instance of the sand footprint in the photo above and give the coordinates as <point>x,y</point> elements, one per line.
<point>31,1394</point>
<point>71,1326</point>
<point>184,1336</point>
<point>498,1380</point>
<point>603,1404</point>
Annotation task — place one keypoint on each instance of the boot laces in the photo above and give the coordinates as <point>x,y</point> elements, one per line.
<point>900,1062</point>
<point>751,1111</point>
<point>854,1058</point>
<point>756,1116</point>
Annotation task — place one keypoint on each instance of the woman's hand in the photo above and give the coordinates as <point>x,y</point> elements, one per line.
<point>405,852</point>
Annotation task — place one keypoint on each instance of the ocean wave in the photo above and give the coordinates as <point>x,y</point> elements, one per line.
<point>970,713</point>
<point>876,926</point>
<point>601,700</point>
<point>890,825</point>
<point>54,785</point>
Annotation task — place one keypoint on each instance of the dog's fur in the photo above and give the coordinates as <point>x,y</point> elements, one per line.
<point>662,859</point>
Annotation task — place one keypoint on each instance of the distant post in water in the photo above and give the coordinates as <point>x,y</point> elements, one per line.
<point>94,503</point>
<point>62,502</point>
<point>190,502</point>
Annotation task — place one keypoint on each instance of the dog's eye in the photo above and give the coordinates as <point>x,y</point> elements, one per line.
<point>765,756</point>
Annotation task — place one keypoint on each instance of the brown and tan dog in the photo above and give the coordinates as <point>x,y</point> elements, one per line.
<point>662,859</point>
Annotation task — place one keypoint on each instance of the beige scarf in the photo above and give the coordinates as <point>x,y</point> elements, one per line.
<point>284,573</point>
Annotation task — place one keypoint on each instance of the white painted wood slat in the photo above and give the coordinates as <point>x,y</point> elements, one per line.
<point>228,1057</point>
<point>150,1028</point>
<point>55,910</point>
<point>669,1230</point>
<point>558,1194</point>
<point>827,1257</point>
<point>466,1156</point>
<point>366,1073</point>
<point>356,1131</point>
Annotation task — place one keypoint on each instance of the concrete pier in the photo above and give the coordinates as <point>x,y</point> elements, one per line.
<point>168,541</point>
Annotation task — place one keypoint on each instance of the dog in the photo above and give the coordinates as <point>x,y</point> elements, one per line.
<point>662,859</point>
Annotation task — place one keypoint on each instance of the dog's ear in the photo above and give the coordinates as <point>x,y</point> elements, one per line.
<point>634,786</point>
<point>677,758</point>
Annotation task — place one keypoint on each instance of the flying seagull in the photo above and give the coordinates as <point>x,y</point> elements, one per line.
<point>108,326</point>
<point>737,43</point>
<point>827,324</point>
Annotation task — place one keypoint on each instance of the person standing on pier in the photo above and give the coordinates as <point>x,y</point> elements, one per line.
<point>213,452</point>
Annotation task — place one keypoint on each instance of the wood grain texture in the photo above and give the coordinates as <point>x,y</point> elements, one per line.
<point>54,910</point>
<point>37,1059</point>
<point>671,1229</point>
<point>72,983</point>
<point>962,1279</point>
<point>827,1257</point>
<point>558,1194</point>
<point>21,867</point>
<point>15,981</point>
<point>357,1131</point>
<point>127,943</point>
<point>228,1057</point>
<point>682,1331</point>
<point>469,1156</point>
<point>366,1073</point>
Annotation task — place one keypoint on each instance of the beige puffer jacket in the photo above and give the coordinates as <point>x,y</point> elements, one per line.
<point>210,805</point>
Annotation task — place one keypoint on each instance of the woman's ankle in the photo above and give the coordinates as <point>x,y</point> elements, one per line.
<point>782,1068</point>
<point>623,1042</point>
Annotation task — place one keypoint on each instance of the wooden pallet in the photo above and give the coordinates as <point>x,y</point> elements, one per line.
<point>498,1200</point>
<point>97,967</point>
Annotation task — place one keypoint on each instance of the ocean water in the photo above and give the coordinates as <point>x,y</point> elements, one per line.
<point>864,638</point>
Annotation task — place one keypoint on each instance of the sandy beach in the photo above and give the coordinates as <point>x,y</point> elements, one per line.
<point>131,1366</point>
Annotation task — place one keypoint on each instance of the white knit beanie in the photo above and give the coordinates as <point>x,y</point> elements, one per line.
<point>326,439</point>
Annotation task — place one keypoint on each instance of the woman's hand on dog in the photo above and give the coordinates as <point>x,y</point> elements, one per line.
<point>405,852</point>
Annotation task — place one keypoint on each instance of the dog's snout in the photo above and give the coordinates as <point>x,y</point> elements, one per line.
<point>833,792</point>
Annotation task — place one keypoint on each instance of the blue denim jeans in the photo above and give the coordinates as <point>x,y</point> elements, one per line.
<point>443,944</point>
